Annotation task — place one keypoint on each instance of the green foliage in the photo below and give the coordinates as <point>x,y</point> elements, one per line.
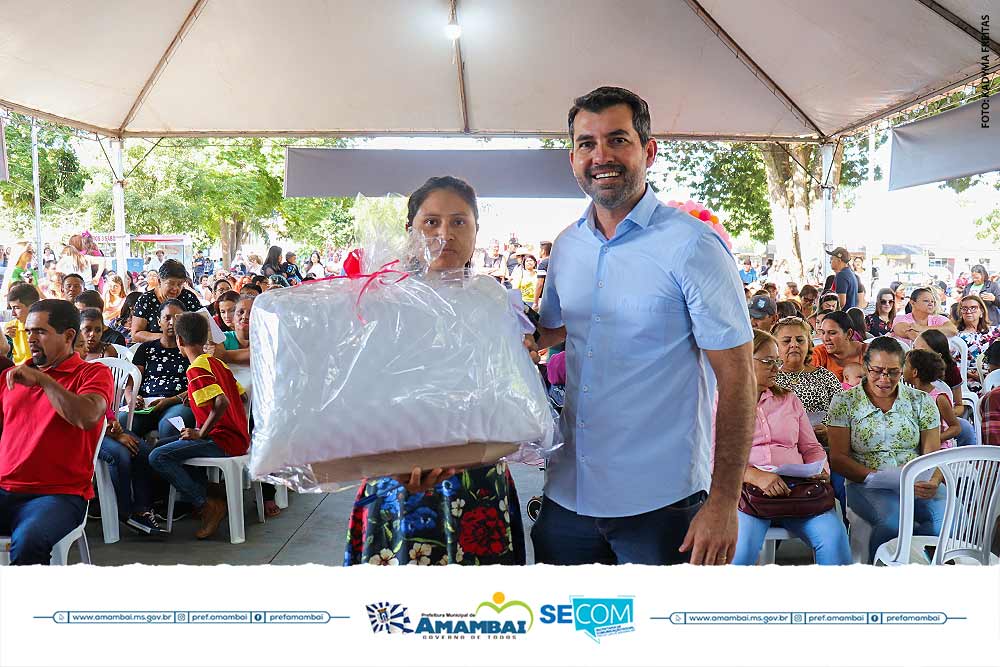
<point>61,177</point>
<point>725,177</point>
<point>989,226</point>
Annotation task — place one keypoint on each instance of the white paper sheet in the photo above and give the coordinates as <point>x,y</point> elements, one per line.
<point>214,332</point>
<point>796,469</point>
<point>890,479</point>
<point>177,422</point>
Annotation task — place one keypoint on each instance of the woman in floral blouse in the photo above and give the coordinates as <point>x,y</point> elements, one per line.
<point>440,517</point>
<point>882,424</point>
<point>975,329</point>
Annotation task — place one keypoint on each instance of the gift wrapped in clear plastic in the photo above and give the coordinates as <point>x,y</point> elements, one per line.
<point>392,368</point>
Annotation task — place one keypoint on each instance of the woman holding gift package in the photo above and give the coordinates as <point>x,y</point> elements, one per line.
<point>440,517</point>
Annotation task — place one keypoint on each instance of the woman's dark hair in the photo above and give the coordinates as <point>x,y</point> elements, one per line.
<point>830,281</point>
<point>90,314</point>
<point>228,295</point>
<point>252,286</point>
<point>172,302</point>
<point>273,256</point>
<point>938,342</point>
<point>858,321</point>
<point>525,257</point>
<point>257,280</point>
<point>606,97</point>
<point>62,315</point>
<point>928,365</point>
<point>456,185</point>
<point>981,270</point>
<point>127,305</point>
<point>192,328</point>
<point>787,309</point>
<point>915,294</point>
<point>842,319</point>
<point>171,268</point>
<point>892,297</point>
<point>215,285</point>
<point>829,296</point>
<point>90,298</point>
<point>809,292</point>
<point>885,344</point>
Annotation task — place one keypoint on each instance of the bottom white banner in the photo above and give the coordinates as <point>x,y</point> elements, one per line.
<point>594,615</point>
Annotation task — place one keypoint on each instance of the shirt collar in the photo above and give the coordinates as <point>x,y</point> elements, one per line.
<point>640,215</point>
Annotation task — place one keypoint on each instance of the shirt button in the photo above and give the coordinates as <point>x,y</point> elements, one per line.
<point>597,318</point>
<point>590,353</point>
<point>604,251</point>
<point>580,424</point>
<point>586,388</point>
<point>600,283</point>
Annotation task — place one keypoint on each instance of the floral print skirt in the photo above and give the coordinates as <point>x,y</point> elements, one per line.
<point>472,518</point>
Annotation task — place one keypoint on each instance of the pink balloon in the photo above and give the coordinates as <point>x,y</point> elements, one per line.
<point>705,215</point>
<point>672,203</point>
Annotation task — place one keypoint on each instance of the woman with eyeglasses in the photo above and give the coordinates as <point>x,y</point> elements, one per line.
<point>839,345</point>
<point>783,435</point>
<point>879,323</point>
<point>976,329</point>
<point>986,289</point>
<point>922,316</point>
<point>883,424</point>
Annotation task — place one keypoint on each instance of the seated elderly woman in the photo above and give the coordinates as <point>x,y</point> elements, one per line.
<point>922,316</point>
<point>815,386</point>
<point>840,345</point>
<point>782,435</point>
<point>881,425</point>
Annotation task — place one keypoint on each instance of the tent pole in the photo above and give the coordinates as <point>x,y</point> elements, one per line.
<point>118,206</point>
<point>826,151</point>
<point>38,197</point>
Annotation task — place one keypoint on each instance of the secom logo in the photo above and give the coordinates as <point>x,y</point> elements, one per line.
<point>597,617</point>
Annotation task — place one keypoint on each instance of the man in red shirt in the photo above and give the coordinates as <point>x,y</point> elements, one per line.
<point>216,399</point>
<point>53,409</point>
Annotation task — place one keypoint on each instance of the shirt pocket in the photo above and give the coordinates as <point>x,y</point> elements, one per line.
<point>648,323</point>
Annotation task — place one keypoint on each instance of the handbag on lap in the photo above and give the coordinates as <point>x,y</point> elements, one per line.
<point>808,497</point>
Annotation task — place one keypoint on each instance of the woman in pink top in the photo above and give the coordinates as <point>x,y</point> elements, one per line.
<point>921,317</point>
<point>783,435</point>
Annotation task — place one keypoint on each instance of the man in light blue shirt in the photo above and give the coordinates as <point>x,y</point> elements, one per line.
<point>650,305</point>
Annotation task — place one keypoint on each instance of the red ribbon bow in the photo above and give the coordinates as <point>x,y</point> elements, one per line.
<point>353,271</point>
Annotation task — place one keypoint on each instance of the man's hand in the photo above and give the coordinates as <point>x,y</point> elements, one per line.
<point>191,434</point>
<point>926,490</point>
<point>25,375</point>
<point>711,538</point>
<point>532,348</point>
<point>130,441</point>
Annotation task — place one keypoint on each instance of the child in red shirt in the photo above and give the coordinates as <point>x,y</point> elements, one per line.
<point>216,399</point>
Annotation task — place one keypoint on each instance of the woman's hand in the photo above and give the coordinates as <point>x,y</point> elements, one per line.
<point>770,483</point>
<point>823,476</point>
<point>988,297</point>
<point>416,482</point>
<point>532,348</point>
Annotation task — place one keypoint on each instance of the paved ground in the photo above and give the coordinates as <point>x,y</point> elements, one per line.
<point>311,530</point>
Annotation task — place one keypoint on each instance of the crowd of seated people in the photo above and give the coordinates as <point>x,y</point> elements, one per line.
<point>834,386</point>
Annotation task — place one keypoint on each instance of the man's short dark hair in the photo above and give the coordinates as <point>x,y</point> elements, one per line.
<point>606,97</point>
<point>171,268</point>
<point>62,315</point>
<point>176,303</point>
<point>72,275</point>
<point>90,298</point>
<point>546,247</point>
<point>90,315</point>
<point>24,294</point>
<point>192,328</point>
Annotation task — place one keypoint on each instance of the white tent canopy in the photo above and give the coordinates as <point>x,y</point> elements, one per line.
<point>712,69</point>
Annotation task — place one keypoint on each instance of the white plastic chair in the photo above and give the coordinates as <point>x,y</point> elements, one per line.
<point>133,347</point>
<point>123,352</point>
<point>972,483</point>
<point>767,553</point>
<point>123,371</point>
<point>859,533</point>
<point>232,468</point>
<point>60,550</point>
<point>906,345</point>
<point>990,382</point>
<point>958,346</point>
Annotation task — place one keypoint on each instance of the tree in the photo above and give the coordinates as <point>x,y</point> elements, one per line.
<point>60,175</point>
